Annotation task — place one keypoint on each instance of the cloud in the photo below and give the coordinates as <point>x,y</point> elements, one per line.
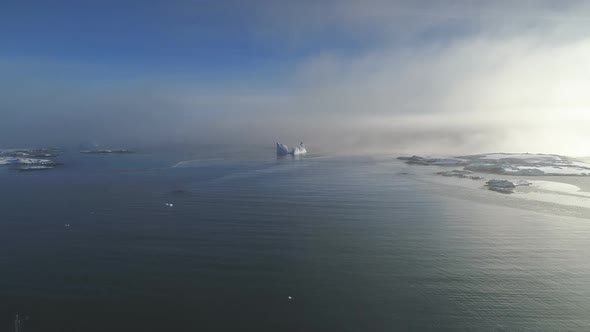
<point>433,77</point>
<point>473,95</point>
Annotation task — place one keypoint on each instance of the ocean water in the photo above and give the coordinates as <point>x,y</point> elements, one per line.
<point>318,243</point>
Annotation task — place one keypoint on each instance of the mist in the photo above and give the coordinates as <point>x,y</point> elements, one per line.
<point>403,77</point>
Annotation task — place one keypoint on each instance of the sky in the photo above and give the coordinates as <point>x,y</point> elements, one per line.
<point>429,77</point>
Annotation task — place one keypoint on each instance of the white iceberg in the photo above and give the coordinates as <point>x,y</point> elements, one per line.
<point>299,149</point>
<point>283,150</point>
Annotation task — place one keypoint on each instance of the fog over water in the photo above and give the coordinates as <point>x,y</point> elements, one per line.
<point>159,202</point>
<point>347,76</point>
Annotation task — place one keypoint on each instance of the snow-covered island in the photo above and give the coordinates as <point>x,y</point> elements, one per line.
<point>105,151</point>
<point>30,153</point>
<point>29,159</point>
<point>510,165</point>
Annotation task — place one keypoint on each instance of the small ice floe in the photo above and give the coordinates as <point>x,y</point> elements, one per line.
<point>505,186</point>
<point>169,204</point>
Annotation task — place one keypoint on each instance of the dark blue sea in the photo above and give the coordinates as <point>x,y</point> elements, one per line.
<point>256,243</point>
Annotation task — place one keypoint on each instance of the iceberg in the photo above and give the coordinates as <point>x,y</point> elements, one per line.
<point>283,150</point>
<point>299,149</point>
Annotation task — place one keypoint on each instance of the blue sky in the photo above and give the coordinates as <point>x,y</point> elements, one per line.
<point>376,75</point>
<point>134,38</point>
<point>212,38</point>
<point>196,39</point>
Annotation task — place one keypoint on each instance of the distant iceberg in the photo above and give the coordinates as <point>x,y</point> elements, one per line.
<point>299,149</point>
<point>283,150</point>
